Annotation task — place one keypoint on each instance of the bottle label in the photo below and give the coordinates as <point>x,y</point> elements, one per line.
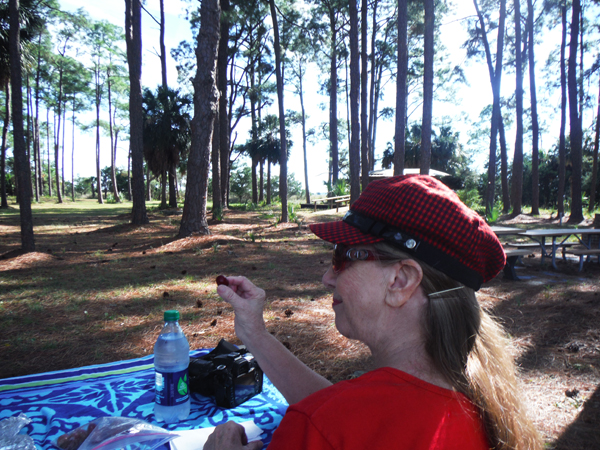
<point>171,388</point>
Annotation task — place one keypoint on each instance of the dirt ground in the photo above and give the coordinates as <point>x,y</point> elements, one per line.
<point>96,288</point>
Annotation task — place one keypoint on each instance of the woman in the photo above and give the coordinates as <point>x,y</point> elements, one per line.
<point>408,259</point>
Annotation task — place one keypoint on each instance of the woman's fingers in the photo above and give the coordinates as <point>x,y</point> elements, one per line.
<point>230,436</point>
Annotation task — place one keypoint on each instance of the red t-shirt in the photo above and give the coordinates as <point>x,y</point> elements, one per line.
<point>383,409</point>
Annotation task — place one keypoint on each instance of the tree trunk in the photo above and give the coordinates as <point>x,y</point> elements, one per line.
<point>254,181</point>
<point>535,174</point>
<point>163,189</point>
<point>354,151</point>
<point>62,150</point>
<point>36,140</point>
<point>113,142</point>
<point>3,198</point>
<point>503,166</point>
<point>574,120</point>
<point>28,139</point>
<point>496,82</point>
<point>282,137</point>
<point>48,148</point>
<point>163,51</point>
<point>400,127</point>
<point>172,175</point>
<point>73,155</point>
<point>517,172</point>
<point>261,182</point>
<point>563,116</point>
<point>133,38</point>
<point>57,139</point>
<point>372,98</point>
<point>333,81</point>
<point>21,163</point>
<point>223,116</point>
<point>595,160</point>
<point>216,172</point>
<point>206,97</point>
<point>303,115</point>
<point>428,56</point>
<point>268,182</point>
<point>364,76</point>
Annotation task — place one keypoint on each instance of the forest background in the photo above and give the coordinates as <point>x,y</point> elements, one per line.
<point>75,74</point>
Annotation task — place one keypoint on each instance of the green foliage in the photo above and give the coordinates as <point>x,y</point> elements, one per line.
<point>341,187</point>
<point>167,131</point>
<point>493,215</point>
<point>471,198</point>
<point>240,183</point>
<point>292,214</point>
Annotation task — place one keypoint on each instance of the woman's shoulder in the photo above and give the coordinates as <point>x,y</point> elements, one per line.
<point>385,387</point>
<point>419,410</point>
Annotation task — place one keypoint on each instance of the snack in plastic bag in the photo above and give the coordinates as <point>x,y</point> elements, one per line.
<point>10,439</point>
<point>111,433</point>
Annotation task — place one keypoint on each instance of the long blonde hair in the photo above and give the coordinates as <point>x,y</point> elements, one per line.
<point>470,349</point>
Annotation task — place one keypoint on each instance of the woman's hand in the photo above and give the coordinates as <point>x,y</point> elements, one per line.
<point>248,303</point>
<point>230,436</point>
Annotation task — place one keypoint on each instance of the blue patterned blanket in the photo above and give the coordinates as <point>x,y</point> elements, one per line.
<point>58,402</point>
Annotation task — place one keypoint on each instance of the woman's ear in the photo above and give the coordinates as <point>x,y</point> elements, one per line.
<point>407,276</point>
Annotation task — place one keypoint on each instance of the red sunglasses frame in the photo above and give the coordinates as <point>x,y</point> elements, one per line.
<point>343,254</point>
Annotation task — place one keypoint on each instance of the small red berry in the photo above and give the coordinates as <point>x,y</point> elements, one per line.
<point>222,280</point>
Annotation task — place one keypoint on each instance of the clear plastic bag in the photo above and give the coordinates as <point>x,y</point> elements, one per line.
<point>10,439</point>
<point>112,433</point>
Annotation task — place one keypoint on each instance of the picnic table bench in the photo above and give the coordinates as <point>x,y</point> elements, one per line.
<point>338,201</point>
<point>512,255</point>
<point>581,252</point>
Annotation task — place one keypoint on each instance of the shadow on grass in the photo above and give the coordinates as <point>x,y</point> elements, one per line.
<point>584,432</point>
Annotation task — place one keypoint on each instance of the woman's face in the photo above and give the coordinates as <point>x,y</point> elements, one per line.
<point>359,292</point>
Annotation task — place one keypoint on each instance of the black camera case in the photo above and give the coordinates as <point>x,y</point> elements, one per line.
<point>229,374</point>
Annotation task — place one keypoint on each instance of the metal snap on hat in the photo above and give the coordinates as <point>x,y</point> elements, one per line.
<point>424,218</point>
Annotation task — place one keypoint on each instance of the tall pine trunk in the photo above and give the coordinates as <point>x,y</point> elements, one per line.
<point>224,117</point>
<point>595,160</point>
<point>282,137</point>
<point>535,173</point>
<point>133,38</point>
<point>303,118</point>
<point>364,76</point>
<point>354,151</point>
<point>574,119</point>
<point>333,81</point>
<point>517,172</point>
<point>400,127</point>
<point>206,97</point>
<point>428,59</point>
<point>57,138</point>
<point>563,116</point>
<point>3,197</point>
<point>22,169</point>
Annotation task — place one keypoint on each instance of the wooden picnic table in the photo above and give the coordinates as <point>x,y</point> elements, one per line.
<point>504,231</point>
<point>337,200</point>
<point>539,235</point>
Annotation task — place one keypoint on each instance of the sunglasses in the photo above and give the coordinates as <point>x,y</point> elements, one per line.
<point>342,254</point>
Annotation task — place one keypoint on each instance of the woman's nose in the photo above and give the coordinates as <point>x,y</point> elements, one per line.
<point>329,278</point>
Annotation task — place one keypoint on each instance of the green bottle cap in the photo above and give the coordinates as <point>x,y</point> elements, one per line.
<point>171,315</point>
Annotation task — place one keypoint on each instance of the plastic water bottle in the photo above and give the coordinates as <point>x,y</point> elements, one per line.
<point>171,360</point>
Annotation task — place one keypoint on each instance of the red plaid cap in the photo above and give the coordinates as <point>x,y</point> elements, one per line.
<point>423,217</point>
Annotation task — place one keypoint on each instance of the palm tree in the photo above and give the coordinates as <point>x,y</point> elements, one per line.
<point>30,23</point>
<point>166,133</point>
